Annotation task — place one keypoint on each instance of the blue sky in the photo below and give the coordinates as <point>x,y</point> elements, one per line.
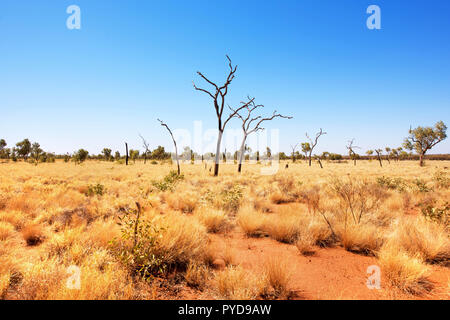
<point>134,61</point>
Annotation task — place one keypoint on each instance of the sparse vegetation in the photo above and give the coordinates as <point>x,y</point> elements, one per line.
<point>221,239</point>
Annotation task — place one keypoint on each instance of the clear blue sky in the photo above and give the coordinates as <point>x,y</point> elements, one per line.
<point>134,61</point>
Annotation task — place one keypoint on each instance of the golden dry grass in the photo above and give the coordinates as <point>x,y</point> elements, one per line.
<point>50,221</point>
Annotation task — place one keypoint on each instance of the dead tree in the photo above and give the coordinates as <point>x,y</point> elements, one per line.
<point>379,152</point>
<point>293,152</point>
<point>319,160</point>
<point>351,151</point>
<point>174,143</point>
<point>313,144</point>
<point>218,95</point>
<point>250,125</point>
<point>126,153</point>
<point>146,148</point>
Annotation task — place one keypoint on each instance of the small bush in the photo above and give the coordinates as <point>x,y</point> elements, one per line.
<point>97,189</point>
<point>168,182</point>
<point>392,183</point>
<point>139,241</point>
<point>437,214</point>
<point>421,185</point>
<point>231,198</point>
<point>441,180</point>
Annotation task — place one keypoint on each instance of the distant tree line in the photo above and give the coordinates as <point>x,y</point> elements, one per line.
<point>420,140</point>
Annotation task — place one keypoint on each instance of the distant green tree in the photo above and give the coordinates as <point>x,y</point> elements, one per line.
<point>36,151</point>
<point>23,148</point>
<point>306,148</point>
<point>134,154</point>
<point>160,154</point>
<point>106,154</point>
<point>80,156</point>
<point>335,156</point>
<point>117,156</point>
<point>422,139</point>
<point>3,144</point>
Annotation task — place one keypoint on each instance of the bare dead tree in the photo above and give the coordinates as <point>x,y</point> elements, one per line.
<point>146,148</point>
<point>293,152</point>
<point>319,160</point>
<point>250,125</point>
<point>174,143</point>
<point>313,144</point>
<point>218,95</point>
<point>351,152</point>
<point>379,152</point>
<point>126,153</point>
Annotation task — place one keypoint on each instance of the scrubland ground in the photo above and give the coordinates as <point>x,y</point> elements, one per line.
<point>102,230</point>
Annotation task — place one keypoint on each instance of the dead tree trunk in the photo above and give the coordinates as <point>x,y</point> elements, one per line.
<point>242,153</point>
<point>126,153</point>
<point>351,152</point>
<point>293,152</point>
<point>218,95</point>
<point>379,157</point>
<point>247,127</point>
<point>313,144</point>
<point>146,148</point>
<point>320,163</point>
<point>174,143</point>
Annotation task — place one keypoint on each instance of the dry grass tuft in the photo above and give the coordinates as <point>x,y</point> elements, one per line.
<point>362,238</point>
<point>306,244</point>
<point>215,221</point>
<point>33,235</point>
<point>6,230</point>
<point>404,272</point>
<point>418,236</point>
<point>277,272</point>
<point>235,283</point>
<point>197,275</point>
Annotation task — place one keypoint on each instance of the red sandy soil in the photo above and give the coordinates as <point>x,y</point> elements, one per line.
<point>331,273</point>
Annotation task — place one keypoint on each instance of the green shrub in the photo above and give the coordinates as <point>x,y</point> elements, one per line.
<point>168,182</point>
<point>436,214</point>
<point>231,198</point>
<point>421,185</point>
<point>441,180</point>
<point>139,240</point>
<point>392,183</point>
<point>97,189</point>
